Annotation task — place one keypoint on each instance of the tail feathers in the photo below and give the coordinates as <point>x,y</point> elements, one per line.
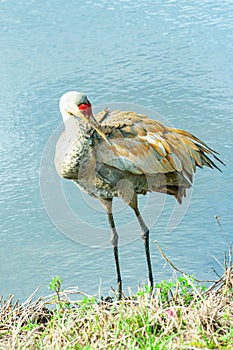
<point>209,163</point>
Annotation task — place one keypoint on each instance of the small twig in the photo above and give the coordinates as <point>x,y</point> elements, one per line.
<point>230,256</point>
<point>215,272</point>
<point>218,262</point>
<point>166,258</point>
<point>225,261</point>
<point>29,299</point>
<point>175,268</point>
<point>217,217</point>
<point>7,305</point>
<point>225,278</point>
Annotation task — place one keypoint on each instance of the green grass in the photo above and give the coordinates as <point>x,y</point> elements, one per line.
<point>177,314</point>
<point>180,315</point>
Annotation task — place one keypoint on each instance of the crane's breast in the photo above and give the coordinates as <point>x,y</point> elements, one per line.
<point>72,157</point>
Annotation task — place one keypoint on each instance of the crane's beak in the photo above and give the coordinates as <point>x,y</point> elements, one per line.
<point>73,109</point>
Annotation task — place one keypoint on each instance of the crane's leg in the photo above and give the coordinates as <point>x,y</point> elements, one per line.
<point>107,203</point>
<point>145,236</point>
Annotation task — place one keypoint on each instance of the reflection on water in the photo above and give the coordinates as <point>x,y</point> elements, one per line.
<point>172,57</point>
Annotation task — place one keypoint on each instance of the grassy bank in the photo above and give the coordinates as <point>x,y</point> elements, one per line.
<point>180,315</point>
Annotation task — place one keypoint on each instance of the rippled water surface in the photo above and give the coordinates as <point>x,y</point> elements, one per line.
<point>172,57</point>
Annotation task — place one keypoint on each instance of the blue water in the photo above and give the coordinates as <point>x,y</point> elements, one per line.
<point>172,57</point>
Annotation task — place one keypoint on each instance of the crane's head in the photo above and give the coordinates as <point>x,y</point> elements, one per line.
<point>74,104</point>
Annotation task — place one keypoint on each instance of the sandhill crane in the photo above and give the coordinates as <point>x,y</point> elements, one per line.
<point>123,154</point>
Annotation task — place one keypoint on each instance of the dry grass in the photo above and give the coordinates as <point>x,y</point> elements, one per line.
<point>180,315</point>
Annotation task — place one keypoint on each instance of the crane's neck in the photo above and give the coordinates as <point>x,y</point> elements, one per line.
<point>74,152</point>
<point>76,129</point>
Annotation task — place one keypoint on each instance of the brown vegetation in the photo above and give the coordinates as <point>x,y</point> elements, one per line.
<point>180,315</point>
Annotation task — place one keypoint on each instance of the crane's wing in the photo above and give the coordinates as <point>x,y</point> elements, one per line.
<point>140,145</point>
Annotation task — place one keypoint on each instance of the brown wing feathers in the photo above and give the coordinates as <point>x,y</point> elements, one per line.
<point>167,142</point>
<point>148,147</point>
